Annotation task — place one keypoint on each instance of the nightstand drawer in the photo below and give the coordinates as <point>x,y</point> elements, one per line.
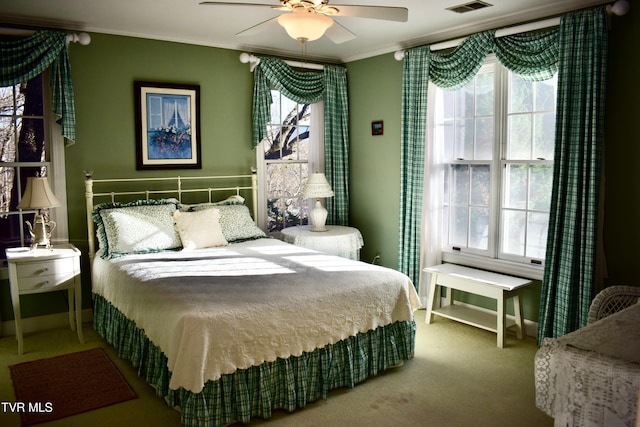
<point>45,268</point>
<point>45,282</point>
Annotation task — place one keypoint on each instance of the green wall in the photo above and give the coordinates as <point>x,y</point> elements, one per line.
<point>375,87</point>
<point>104,72</point>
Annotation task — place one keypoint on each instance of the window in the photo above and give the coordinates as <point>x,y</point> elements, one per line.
<point>27,149</point>
<point>286,157</point>
<point>496,136</point>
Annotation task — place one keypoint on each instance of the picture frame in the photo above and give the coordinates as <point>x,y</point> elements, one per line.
<point>377,127</point>
<point>167,125</point>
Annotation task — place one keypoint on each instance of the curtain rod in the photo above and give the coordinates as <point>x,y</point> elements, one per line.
<point>82,38</point>
<point>620,7</point>
<point>532,26</point>
<point>253,60</point>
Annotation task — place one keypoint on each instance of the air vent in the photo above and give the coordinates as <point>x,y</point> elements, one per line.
<point>468,7</point>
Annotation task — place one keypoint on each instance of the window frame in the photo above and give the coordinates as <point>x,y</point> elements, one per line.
<point>494,258</point>
<point>56,173</point>
<point>315,161</point>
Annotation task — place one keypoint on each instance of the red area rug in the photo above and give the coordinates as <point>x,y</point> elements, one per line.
<point>58,387</point>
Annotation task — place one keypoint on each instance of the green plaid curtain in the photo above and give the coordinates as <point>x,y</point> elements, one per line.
<point>311,87</point>
<point>412,151</point>
<point>24,58</point>
<point>569,276</point>
<point>336,146</point>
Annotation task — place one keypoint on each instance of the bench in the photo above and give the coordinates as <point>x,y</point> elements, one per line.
<point>479,282</point>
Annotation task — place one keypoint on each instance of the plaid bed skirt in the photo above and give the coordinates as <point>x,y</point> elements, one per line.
<point>255,392</point>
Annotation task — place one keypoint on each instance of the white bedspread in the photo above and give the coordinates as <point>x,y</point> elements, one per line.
<point>213,311</point>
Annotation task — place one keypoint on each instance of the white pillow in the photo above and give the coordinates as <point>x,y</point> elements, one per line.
<point>199,229</point>
<point>137,227</point>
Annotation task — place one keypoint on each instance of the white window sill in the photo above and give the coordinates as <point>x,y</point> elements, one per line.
<point>534,272</point>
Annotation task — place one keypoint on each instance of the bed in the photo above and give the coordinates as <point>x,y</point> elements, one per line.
<point>226,323</point>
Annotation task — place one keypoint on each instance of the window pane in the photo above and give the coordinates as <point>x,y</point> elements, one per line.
<point>479,233</point>
<point>544,135</point>
<point>484,139</point>
<point>464,139</point>
<point>31,143</point>
<point>519,140</point>
<point>285,207</point>
<point>448,103</point>
<point>480,185</point>
<point>514,229</point>
<point>521,95</point>
<point>484,94</point>
<point>537,227</point>
<point>446,135</point>
<point>541,187</point>
<point>460,184</point>
<point>459,225</point>
<point>275,107</point>
<point>515,186</point>
<point>464,101</point>
<point>546,94</point>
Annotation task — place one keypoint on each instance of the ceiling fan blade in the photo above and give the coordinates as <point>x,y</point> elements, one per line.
<point>339,34</point>
<point>226,3</point>
<point>258,28</point>
<point>399,14</point>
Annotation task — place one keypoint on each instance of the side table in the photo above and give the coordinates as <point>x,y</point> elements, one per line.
<point>337,240</point>
<point>45,270</point>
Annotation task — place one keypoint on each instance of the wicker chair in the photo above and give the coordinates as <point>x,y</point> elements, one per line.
<point>611,300</point>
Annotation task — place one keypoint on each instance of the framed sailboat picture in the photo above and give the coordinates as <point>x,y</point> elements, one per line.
<point>167,125</point>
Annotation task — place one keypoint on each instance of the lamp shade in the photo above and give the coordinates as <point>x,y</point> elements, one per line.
<point>305,24</point>
<point>38,195</point>
<point>317,186</point>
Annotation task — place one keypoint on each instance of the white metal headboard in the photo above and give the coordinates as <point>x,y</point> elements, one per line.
<point>178,191</point>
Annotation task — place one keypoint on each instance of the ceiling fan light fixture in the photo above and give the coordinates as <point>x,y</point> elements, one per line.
<point>305,24</point>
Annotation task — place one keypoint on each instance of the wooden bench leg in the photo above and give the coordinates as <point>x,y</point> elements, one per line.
<point>501,320</point>
<point>431,303</point>
<point>517,311</point>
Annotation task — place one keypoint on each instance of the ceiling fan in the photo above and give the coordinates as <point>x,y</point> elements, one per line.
<point>308,20</point>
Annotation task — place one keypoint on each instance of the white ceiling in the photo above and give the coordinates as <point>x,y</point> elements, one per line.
<point>186,21</point>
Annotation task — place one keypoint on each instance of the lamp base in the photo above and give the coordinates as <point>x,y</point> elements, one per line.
<point>318,217</point>
<point>40,236</point>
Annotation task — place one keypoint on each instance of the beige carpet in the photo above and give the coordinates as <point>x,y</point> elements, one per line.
<point>457,378</point>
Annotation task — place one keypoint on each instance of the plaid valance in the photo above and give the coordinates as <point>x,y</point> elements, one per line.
<point>22,59</point>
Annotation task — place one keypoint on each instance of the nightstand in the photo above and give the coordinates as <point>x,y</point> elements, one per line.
<point>44,270</point>
<point>337,240</point>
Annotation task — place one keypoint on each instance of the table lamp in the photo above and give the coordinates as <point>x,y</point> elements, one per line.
<point>38,195</point>
<point>317,187</point>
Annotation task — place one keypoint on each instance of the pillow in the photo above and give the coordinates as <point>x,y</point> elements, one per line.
<point>136,227</point>
<point>199,229</point>
<point>236,222</point>
<point>231,200</point>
